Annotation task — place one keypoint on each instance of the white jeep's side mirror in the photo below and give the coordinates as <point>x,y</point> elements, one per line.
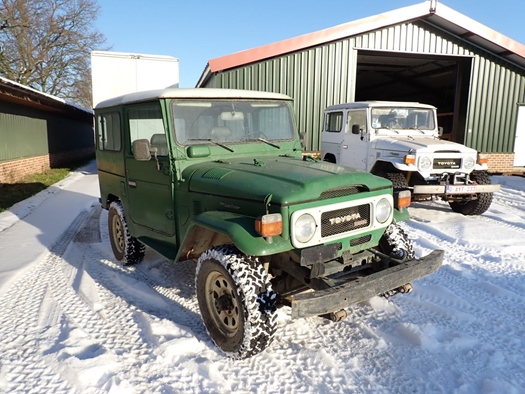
<point>440,131</point>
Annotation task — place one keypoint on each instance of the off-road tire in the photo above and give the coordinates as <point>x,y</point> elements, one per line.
<point>236,301</point>
<point>126,248</point>
<point>395,243</point>
<point>481,204</point>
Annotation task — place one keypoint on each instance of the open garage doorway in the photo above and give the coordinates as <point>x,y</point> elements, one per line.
<point>440,80</point>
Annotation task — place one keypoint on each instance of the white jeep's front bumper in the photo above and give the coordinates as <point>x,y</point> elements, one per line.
<point>455,189</point>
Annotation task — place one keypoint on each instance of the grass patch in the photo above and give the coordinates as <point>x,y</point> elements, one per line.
<point>11,193</point>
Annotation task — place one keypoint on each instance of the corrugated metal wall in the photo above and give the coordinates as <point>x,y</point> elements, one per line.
<point>21,136</point>
<point>27,132</point>
<point>325,75</point>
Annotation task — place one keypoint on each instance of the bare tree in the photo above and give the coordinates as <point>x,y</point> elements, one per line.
<point>46,44</point>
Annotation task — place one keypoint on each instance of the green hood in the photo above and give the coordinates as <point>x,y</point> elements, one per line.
<point>289,180</point>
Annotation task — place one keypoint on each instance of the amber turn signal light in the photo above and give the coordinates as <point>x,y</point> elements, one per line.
<point>269,225</point>
<point>410,159</point>
<point>404,198</point>
<point>483,159</point>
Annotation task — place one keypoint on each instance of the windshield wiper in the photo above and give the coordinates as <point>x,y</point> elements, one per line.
<point>268,142</point>
<point>213,142</point>
<point>417,128</point>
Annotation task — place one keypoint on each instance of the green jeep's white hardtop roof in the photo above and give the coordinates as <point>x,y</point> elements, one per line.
<point>375,104</point>
<point>189,93</point>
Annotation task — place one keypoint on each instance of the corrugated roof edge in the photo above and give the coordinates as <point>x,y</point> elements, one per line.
<point>19,86</point>
<point>191,93</point>
<point>421,10</point>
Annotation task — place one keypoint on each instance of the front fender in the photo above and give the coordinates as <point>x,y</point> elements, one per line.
<point>217,227</point>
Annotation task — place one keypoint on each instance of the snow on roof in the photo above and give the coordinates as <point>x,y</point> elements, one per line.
<point>23,88</point>
<point>439,15</point>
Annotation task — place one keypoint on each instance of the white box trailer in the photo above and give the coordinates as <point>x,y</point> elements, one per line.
<point>117,73</point>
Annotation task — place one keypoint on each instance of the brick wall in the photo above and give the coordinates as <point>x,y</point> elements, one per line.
<point>503,163</point>
<point>13,170</point>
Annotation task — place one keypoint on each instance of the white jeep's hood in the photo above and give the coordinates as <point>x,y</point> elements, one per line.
<point>419,145</point>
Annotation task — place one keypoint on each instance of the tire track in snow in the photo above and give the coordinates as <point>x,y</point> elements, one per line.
<point>460,299</point>
<point>22,335</point>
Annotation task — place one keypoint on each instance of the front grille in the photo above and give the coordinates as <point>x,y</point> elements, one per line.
<point>447,164</point>
<point>344,220</point>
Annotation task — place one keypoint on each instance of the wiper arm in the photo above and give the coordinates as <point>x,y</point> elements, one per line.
<point>269,143</point>
<point>213,142</point>
<point>418,129</point>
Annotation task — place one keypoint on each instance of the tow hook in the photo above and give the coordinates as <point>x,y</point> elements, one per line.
<point>401,289</point>
<point>336,316</point>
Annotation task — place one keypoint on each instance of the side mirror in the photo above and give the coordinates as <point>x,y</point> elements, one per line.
<point>356,129</point>
<point>302,135</point>
<point>440,131</point>
<point>141,150</point>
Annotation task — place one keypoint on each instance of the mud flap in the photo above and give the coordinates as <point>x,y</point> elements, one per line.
<point>334,299</point>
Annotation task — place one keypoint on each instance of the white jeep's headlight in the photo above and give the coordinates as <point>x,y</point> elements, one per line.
<point>468,163</point>
<point>383,210</point>
<point>304,228</point>
<point>425,163</point>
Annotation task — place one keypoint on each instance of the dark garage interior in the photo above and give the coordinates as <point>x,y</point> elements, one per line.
<point>442,81</point>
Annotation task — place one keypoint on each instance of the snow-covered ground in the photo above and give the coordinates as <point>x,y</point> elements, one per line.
<point>73,320</point>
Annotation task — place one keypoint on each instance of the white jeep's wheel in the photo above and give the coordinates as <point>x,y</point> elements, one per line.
<point>481,204</point>
<point>236,301</point>
<point>126,248</point>
<point>395,243</point>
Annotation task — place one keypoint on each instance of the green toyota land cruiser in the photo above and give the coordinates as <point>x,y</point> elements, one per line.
<point>219,176</point>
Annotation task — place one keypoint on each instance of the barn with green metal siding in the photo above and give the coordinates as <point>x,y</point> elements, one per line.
<point>427,52</point>
<point>39,131</point>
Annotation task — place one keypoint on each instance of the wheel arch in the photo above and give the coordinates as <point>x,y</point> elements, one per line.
<point>330,157</point>
<point>214,228</point>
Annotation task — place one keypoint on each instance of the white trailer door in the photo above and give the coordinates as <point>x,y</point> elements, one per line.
<point>519,141</point>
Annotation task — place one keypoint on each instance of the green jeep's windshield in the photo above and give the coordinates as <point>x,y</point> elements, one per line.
<point>399,118</point>
<point>231,121</point>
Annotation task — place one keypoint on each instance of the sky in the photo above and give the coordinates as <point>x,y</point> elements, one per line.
<point>73,320</point>
<point>197,31</point>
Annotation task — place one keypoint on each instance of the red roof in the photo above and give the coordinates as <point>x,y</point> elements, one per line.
<point>440,15</point>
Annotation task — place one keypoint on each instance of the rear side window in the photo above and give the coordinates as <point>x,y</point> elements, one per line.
<point>333,122</point>
<point>108,126</point>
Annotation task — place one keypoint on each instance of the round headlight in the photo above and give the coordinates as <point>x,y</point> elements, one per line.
<point>304,228</point>
<point>383,210</point>
<point>468,163</point>
<point>425,163</point>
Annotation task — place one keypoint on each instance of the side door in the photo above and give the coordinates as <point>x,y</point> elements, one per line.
<point>148,183</point>
<point>332,136</point>
<point>356,141</point>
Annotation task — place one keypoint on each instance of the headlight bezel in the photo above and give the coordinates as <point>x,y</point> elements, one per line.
<point>311,226</point>
<point>424,163</point>
<point>469,160</point>
<point>380,207</point>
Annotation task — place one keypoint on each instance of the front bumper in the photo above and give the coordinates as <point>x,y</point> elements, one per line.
<point>321,302</point>
<point>459,189</point>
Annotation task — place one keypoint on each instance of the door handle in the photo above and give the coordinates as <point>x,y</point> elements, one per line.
<point>345,146</point>
<point>132,183</point>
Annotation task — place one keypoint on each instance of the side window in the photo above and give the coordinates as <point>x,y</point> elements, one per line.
<point>146,122</point>
<point>108,126</point>
<point>334,122</point>
<point>356,117</point>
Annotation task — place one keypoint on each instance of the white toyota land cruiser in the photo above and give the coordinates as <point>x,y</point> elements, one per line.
<point>401,141</point>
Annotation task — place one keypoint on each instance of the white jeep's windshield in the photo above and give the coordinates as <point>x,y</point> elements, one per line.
<point>403,118</point>
<point>231,121</point>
